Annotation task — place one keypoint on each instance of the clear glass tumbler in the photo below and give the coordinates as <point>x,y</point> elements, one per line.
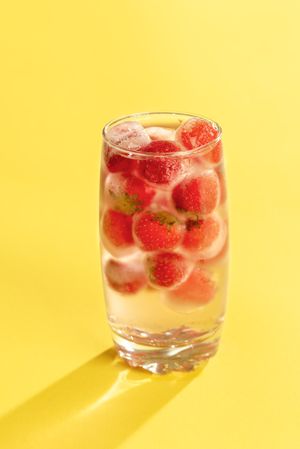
<point>164,238</point>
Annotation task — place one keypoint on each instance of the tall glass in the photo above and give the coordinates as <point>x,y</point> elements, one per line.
<point>164,238</point>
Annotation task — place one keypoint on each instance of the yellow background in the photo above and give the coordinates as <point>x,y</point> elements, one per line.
<point>67,68</point>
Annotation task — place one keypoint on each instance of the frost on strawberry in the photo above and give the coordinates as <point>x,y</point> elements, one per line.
<point>160,169</point>
<point>157,230</point>
<point>197,196</point>
<point>125,278</point>
<point>129,194</point>
<point>166,269</point>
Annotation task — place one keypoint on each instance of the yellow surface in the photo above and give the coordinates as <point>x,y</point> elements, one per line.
<point>67,68</point>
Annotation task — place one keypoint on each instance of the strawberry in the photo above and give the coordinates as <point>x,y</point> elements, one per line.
<point>166,269</point>
<point>198,288</point>
<point>205,238</point>
<point>197,196</point>
<point>222,253</point>
<point>197,132</point>
<point>117,228</point>
<point>201,233</point>
<point>128,193</point>
<point>160,170</point>
<point>115,162</point>
<point>215,154</point>
<point>125,278</point>
<point>157,230</point>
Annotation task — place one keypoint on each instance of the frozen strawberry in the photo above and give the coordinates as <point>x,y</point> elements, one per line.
<point>166,269</point>
<point>160,170</point>
<point>162,201</point>
<point>201,233</point>
<point>158,133</point>
<point>115,162</point>
<point>218,256</point>
<point>198,195</point>
<point>117,228</point>
<point>206,237</point>
<point>128,193</point>
<point>125,277</point>
<point>215,154</point>
<point>197,132</point>
<point>128,135</point>
<point>157,230</point>
<point>198,289</point>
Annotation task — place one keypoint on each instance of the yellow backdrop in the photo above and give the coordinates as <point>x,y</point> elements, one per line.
<point>67,67</point>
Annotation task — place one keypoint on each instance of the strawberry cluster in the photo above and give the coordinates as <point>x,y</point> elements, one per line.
<point>164,206</point>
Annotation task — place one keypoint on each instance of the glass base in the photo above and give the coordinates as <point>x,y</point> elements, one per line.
<point>162,359</point>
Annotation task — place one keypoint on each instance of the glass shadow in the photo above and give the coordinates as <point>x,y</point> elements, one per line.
<point>98,405</point>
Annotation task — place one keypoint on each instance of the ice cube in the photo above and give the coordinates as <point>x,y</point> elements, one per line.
<point>204,238</point>
<point>128,193</point>
<point>128,135</point>
<point>159,133</point>
<point>125,278</point>
<point>217,245</point>
<point>195,292</point>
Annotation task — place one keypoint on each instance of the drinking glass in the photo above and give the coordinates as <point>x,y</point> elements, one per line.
<point>164,238</point>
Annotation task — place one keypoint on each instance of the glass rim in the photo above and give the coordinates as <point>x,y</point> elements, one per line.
<point>202,149</point>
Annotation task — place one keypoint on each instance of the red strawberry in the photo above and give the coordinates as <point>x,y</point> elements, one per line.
<point>166,269</point>
<point>197,132</point>
<point>124,277</point>
<point>128,193</point>
<point>117,228</point>
<point>160,170</point>
<point>215,154</point>
<point>198,289</point>
<point>157,230</point>
<point>197,196</point>
<point>115,162</point>
<point>200,234</point>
